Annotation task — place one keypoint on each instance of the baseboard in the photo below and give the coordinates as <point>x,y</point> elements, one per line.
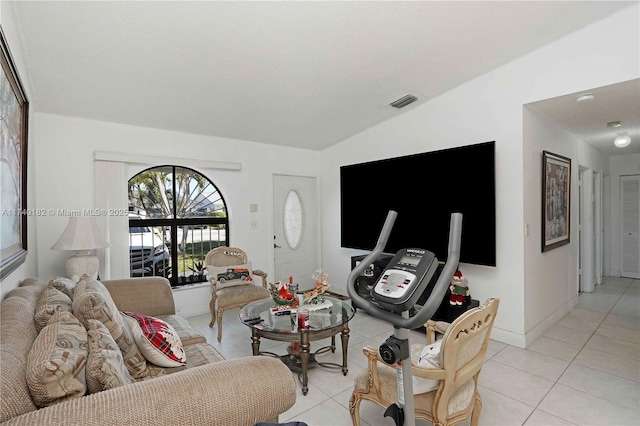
<point>507,337</point>
<point>537,331</point>
<point>523,341</point>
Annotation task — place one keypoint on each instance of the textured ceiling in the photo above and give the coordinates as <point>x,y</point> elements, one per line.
<point>588,121</point>
<point>305,74</point>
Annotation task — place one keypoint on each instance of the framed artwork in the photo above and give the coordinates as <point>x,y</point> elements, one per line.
<point>556,198</point>
<point>14,111</point>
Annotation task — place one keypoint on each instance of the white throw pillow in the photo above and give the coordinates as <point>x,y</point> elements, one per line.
<point>429,358</point>
<point>228,276</point>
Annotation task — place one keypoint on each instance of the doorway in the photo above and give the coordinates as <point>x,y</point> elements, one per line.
<point>590,252</point>
<point>630,209</point>
<point>295,229</point>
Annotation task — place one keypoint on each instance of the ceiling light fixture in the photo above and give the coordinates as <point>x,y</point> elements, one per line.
<point>622,140</point>
<point>587,97</point>
<point>614,124</point>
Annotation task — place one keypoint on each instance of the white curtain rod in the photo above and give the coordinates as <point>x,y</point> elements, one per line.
<point>122,157</point>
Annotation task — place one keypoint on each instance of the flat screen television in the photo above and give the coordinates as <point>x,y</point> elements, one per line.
<point>424,189</point>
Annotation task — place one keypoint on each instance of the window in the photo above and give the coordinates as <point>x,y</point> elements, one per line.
<point>293,219</point>
<point>170,235</point>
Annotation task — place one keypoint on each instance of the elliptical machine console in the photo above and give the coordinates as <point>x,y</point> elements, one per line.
<point>396,293</point>
<point>405,279</point>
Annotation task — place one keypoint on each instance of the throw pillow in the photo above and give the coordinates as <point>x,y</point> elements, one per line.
<point>429,358</point>
<point>50,299</point>
<point>92,300</point>
<point>65,285</point>
<point>157,340</point>
<point>56,361</point>
<point>228,276</point>
<point>105,366</point>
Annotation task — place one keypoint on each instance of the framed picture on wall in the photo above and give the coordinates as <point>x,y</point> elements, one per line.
<point>14,109</point>
<point>556,200</point>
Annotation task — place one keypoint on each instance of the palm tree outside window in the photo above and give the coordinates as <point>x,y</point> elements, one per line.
<point>169,235</point>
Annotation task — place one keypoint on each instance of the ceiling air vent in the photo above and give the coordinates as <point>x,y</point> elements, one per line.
<point>403,101</point>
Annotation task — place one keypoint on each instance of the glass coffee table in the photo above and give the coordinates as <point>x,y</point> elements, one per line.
<point>325,320</point>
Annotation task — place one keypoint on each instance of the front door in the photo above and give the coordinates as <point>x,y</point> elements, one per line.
<point>295,238</point>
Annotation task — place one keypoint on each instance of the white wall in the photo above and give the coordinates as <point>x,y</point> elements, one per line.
<point>29,267</point>
<point>551,278</point>
<point>491,108</point>
<point>620,165</point>
<point>590,157</point>
<point>65,180</point>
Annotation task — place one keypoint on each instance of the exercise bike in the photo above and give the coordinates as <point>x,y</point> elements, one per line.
<point>394,297</point>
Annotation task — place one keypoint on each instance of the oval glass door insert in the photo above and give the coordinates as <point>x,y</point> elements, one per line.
<point>293,220</point>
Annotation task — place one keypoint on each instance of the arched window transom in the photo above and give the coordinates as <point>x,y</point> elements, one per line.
<point>176,215</point>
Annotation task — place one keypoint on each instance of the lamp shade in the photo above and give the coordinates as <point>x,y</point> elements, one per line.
<point>81,233</point>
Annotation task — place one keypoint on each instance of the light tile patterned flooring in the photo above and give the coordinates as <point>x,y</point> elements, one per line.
<point>585,370</point>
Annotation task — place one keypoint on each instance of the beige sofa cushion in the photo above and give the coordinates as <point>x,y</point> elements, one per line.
<point>17,333</point>
<point>198,354</point>
<point>91,300</point>
<point>188,335</point>
<point>56,361</point>
<point>105,365</point>
<point>49,300</point>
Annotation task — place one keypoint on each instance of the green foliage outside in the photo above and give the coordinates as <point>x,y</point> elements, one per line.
<point>177,192</point>
<point>194,252</point>
<point>152,192</point>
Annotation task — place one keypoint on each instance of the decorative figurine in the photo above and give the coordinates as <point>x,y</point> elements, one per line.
<point>284,293</point>
<point>316,296</point>
<point>459,289</point>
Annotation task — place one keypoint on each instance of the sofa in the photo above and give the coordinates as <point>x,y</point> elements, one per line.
<point>206,390</point>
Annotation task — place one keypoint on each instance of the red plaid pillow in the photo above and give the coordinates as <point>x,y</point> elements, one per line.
<point>157,340</point>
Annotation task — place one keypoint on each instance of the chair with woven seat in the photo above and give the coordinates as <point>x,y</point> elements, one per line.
<point>462,352</point>
<point>232,282</point>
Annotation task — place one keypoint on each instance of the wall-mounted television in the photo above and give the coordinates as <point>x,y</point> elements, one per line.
<point>424,189</point>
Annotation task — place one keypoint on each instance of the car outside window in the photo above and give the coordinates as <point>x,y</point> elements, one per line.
<point>169,235</point>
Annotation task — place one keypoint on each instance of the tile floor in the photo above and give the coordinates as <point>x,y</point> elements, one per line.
<point>585,370</point>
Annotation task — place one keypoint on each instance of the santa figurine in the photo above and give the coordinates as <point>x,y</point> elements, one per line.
<point>459,289</point>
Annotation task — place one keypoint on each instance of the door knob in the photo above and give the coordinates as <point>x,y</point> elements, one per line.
<point>276,246</point>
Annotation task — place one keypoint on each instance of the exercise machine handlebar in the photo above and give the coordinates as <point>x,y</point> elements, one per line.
<point>439,290</point>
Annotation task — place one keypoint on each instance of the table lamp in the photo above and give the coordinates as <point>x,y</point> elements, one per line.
<point>81,235</point>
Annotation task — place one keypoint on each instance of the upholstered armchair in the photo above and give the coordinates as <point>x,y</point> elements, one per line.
<point>233,282</point>
<point>462,352</point>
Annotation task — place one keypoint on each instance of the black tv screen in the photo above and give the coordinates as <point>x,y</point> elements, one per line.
<point>424,189</point>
